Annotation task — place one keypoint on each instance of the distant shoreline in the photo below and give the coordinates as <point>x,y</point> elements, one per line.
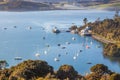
<point>53,10</point>
<point>24,6</point>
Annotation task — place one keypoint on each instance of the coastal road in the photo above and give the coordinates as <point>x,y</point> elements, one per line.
<point>102,39</point>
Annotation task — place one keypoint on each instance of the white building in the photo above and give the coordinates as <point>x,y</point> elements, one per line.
<point>86,31</point>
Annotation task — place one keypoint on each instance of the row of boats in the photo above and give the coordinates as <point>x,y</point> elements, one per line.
<point>5,28</point>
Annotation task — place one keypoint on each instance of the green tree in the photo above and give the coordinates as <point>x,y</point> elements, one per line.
<point>85,21</point>
<point>67,71</point>
<point>3,64</point>
<point>115,76</point>
<point>100,69</point>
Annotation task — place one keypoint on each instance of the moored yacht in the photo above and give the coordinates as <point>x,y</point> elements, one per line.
<point>55,30</point>
<point>18,58</point>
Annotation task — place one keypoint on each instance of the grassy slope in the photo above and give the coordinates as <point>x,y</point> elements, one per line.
<point>107,5</point>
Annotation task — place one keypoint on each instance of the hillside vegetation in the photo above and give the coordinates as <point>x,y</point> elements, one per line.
<point>108,30</point>
<point>40,70</point>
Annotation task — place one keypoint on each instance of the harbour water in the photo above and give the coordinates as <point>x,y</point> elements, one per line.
<point>21,35</point>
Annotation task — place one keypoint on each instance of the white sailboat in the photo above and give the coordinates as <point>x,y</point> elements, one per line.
<point>91,42</point>
<point>37,54</point>
<point>77,54</point>
<point>74,57</point>
<point>73,38</point>
<point>56,59</point>
<point>45,52</point>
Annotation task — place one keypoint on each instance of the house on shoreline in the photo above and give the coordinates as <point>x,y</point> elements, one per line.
<point>86,31</point>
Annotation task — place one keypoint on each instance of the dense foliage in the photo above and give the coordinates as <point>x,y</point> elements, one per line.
<point>40,70</point>
<point>27,70</point>
<point>67,71</point>
<point>111,50</point>
<point>108,28</point>
<point>101,72</point>
<point>100,69</point>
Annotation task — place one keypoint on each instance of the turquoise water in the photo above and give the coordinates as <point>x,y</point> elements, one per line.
<point>24,42</point>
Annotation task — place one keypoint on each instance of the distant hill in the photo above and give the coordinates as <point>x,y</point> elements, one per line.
<point>24,5</point>
<point>31,5</point>
<point>55,1</point>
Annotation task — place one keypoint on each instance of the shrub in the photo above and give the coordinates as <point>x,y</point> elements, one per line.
<point>67,71</point>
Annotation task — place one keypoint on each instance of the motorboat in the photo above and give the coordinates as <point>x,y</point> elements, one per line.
<point>68,43</point>
<point>77,54</point>
<point>59,44</point>
<point>74,57</point>
<point>45,52</point>
<point>5,28</point>
<point>55,30</point>
<point>56,59</point>
<point>37,54</point>
<point>63,47</point>
<point>80,51</point>
<point>91,42</point>
<point>15,26</point>
<point>43,38</point>
<point>87,47</point>
<point>59,55</point>
<point>29,27</point>
<point>89,63</point>
<point>18,58</point>
<point>73,38</point>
